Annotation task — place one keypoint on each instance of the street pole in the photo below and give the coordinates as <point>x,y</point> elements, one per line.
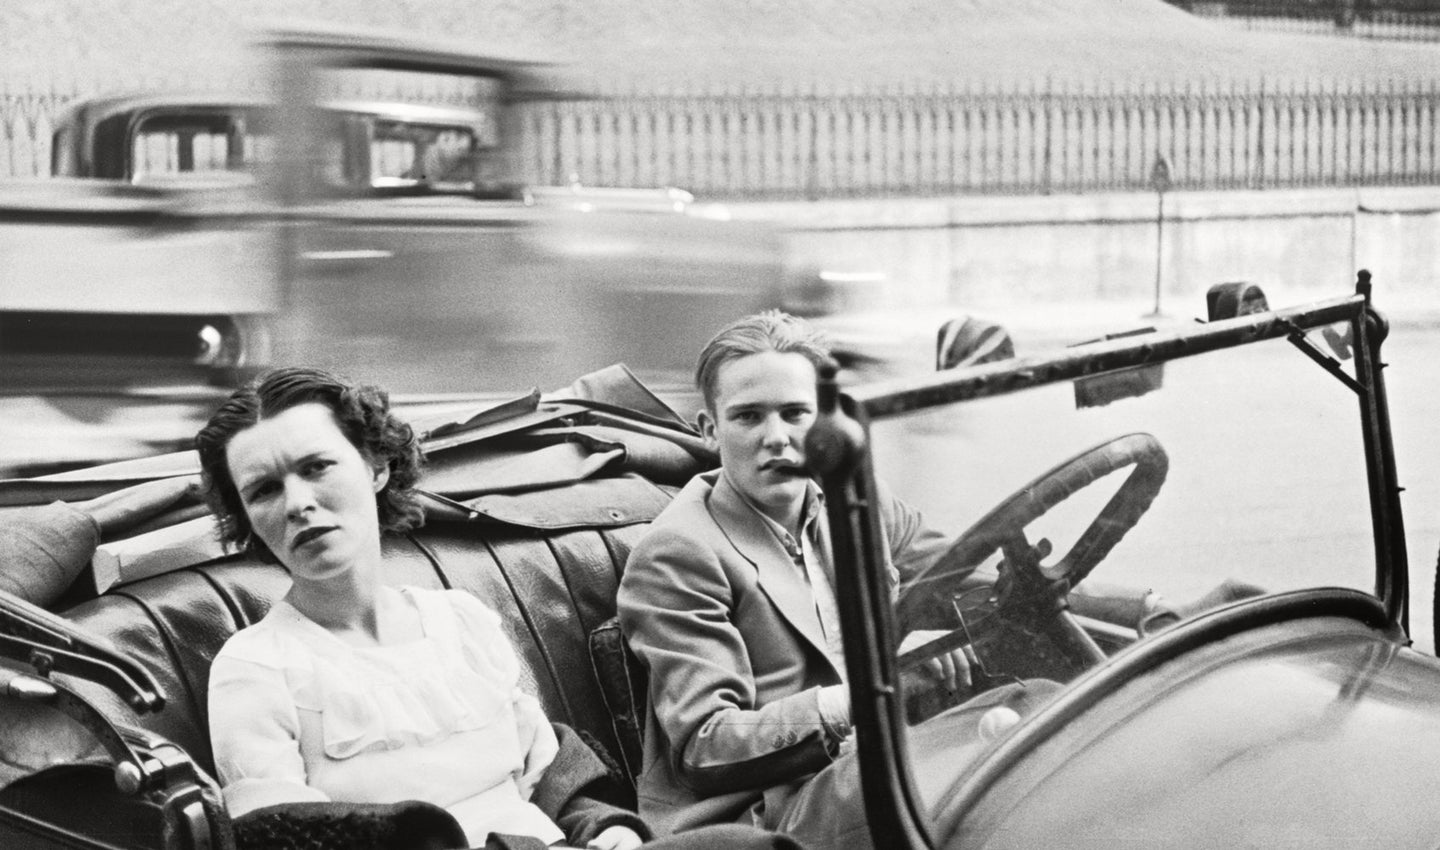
<point>1160,179</point>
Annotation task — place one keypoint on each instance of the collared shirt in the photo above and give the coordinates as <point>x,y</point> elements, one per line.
<point>811,557</point>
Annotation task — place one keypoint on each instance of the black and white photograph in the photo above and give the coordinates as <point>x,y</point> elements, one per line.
<point>611,424</point>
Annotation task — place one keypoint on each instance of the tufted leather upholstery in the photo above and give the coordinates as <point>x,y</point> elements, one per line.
<point>532,505</point>
<point>552,589</point>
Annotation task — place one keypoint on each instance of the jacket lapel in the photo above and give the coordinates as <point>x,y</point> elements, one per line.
<point>777,574</point>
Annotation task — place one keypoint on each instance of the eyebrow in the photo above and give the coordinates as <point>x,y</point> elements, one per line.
<point>751,406</point>
<point>242,485</point>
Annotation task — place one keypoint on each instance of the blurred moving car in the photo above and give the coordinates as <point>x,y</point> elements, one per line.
<point>324,223</point>
<point>375,147</point>
<point>1300,717</point>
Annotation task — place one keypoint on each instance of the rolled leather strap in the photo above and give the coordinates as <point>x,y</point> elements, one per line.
<point>43,549</point>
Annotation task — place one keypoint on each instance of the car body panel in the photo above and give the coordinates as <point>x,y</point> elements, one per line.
<point>1300,728</point>
<point>97,247</point>
<point>514,298</point>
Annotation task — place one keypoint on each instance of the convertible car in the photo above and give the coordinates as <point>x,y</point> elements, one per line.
<point>1300,717</point>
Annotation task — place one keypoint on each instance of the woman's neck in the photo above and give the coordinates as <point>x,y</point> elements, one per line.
<point>342,605</point>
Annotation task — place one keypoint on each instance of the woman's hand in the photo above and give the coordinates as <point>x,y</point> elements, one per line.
<point>615,838</point>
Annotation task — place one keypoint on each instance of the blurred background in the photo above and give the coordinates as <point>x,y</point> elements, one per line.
<point>821,99</point>
<point>642,173</point>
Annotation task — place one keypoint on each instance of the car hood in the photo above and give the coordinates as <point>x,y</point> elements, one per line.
<point>1317,732</point>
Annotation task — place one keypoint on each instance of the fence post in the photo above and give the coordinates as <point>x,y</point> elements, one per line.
<point>1047,101</point>
<point>1261,109</point>
<point>812,160</point>
<point>1345,14</point>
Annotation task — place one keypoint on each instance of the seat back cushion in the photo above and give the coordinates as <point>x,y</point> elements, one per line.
<point>552,590</point>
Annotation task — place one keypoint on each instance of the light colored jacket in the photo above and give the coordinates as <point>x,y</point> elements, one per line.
<point>725,623</point>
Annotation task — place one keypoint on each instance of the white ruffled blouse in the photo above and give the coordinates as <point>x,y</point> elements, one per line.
<point>296,714</point>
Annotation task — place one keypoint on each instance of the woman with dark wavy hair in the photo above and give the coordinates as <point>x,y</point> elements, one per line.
<point>350,690</point>
<point>362,413</point>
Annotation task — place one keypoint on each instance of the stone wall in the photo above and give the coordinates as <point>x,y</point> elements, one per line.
<point>1003,252</point>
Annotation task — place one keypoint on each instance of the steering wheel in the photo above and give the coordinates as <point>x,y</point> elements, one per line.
<point>1030,591</point>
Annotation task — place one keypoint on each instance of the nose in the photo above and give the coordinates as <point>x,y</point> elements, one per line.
<point>299,499</point>
<point>776,433</point>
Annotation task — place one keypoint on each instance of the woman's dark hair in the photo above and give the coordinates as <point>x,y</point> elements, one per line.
<point>363,413</point>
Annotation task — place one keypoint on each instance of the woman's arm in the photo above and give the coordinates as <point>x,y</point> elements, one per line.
<point>492,656</point>
<point>576,791</point>
<point>255,732</point>
<point>537,741</point>
<point>562,775</point>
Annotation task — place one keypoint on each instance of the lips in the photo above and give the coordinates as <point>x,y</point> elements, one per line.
<point>785,467</point>
<point>308,535</point>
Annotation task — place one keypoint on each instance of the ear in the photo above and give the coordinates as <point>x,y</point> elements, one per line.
<point>706,423</point>
<point>381,476</point>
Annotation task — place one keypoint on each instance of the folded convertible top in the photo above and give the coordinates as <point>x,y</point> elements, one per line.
<point>604,452</point>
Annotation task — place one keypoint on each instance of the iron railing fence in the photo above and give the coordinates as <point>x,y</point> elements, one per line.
<point>1036,141</point>
<point>1417,20</point>
<point>27,119</point>
<point>1028,140</point>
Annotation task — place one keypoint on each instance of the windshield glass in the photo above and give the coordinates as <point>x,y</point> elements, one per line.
<point>406,128</point>
<point>1253,458</point>
<point>196,144</point>
<point>433,154</point>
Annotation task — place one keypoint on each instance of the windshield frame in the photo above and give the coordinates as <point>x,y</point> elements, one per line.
<point>836,448</point>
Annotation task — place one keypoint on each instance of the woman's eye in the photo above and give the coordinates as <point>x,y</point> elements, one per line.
<point>260,491</point>
<point>315,467</point>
